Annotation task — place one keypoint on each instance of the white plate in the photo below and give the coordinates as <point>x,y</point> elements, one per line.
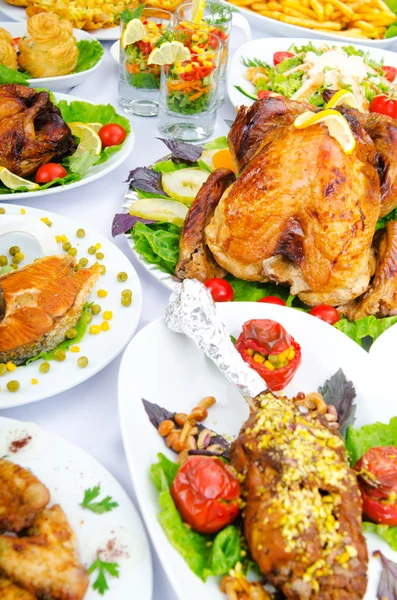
<point>67,471</point>
<point>18,13</point>
<point>264,49</point>
<point>62,83</point>
<point>100,349</point>
<point>94,173</point>
<point>272,27</point>
<point>183,376</point>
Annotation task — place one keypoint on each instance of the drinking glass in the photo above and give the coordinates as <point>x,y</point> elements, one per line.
<point>189,90</point>
<point>219,20</point>
<point>139,83</point>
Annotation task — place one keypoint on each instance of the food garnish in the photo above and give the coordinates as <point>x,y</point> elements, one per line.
<point>183,152</point>
<point>206,493</point>
<point>341,97</point>
<point>14,182</point>
<point>384,106</point>
<point>106,504</point>
<point>104,569</point>
<point>326,313</point>
<point>112,134</point>
<point>221,290</point>
<point>133,32</point>
<point>183,185</point>
<point>159,209</point>
<point>272,352</point>
<point>340,393</point>
<point>146,180</point>
<point>387,589</point>
<point>169,53</point>
<point>49,172</point>
<point>272,300</point>
<point>338,126</point>
<point>89,140</point>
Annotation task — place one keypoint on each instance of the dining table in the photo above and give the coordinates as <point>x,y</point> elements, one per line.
<point>87,415</point>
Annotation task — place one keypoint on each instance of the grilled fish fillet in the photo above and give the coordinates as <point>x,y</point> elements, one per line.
<point>43,300</point>
<point>45,562</point>
<point>22,497</point>
<point>10,591</point>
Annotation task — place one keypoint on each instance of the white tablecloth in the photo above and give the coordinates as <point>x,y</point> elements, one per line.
<point>87,415</point>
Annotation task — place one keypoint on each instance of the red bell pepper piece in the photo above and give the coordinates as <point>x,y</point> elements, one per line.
<point>269,338</point>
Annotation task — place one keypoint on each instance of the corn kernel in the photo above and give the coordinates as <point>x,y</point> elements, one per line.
<point>291,354</point>
<point>188,68</point>
<point>269,365</point>
<point>207,64</point>
<point>58,239</point>
<point>108,315</point>
<point>195,49</point>
<point>35,381</point>
<point>195,37</point>
<point>75,349</point>
<point>102,293</point>
<point>95,329</point>
<point>10,366</point>
<point>200,50</point>
<point>146,39</point>
<point>98,246</point>
<point>258,358</point>
<point>23,211</point>
<point>250,352</point>
<point>105,326</point>
<point>201,59</point>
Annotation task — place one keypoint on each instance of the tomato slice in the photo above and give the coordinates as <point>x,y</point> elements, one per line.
<point>279,57</point>
<point>384,106</point>
<point>390,73</point>
<point>378,512</point>
<point>263,94</point>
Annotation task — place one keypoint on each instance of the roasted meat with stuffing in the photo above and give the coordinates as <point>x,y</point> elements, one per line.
<point>22,497</point>
<point>45,562</point>
<point>10,591</point>
<point>302,517</point>
<point>32,130</point>
<point>43,300</point>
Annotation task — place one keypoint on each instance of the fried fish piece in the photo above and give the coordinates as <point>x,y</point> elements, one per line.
<point>22,497</point>
<point>46,561</point>
<point>10,591</point>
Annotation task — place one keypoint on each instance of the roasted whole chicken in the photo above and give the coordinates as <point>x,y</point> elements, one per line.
<point>301,213</point>
<point>32,131</point>
<point>302,513</point>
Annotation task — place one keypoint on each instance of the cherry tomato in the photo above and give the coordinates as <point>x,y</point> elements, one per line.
<point>15,41</point>
<point>279,57</point>
<point>221,290</point>
<point>206,492</point>
<point>49,172</point>
<point>112,135</point>
<point>263,94</point>
<point>269,338</point>
<point>377,476</point>
<point>384,106</point>
<point>272,300</point>
<point>390,73</point>
<point>326,313</point>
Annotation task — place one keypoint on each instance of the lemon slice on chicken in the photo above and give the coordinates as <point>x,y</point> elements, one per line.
<point>345,97</point>
<point>160,209</point>
<point>168,53</point>
<point>14,182</point>
<point>89,139</point>
<point>134,31</point>
<point>337,125</point>
<point>198,11</point>
<point>184,185</point>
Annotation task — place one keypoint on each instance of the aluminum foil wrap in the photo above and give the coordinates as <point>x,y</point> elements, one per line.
<point>192,311</point>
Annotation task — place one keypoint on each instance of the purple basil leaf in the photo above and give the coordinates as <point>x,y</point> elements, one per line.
<point>340,392</point>
<point>146,180</point>
<point>387,589</point>
<point>182,152</point>
<point>123,222</point>
<point>157,414</point>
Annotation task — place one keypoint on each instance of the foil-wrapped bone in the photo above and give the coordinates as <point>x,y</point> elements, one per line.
<point>192,311</point>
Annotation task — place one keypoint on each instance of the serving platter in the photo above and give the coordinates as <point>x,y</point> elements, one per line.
<point>63,83</point>
<point>18,13</point>
<point>99,349</point>
<point>184,376</point>
<point>263,49</point>
<point>94,173</point>
<point>67,472</point>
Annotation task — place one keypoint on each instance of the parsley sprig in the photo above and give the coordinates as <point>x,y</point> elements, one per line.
<point>101,507</point>
<point>104,568</point>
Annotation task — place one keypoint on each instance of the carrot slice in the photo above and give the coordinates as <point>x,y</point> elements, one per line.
<point>223,160</point>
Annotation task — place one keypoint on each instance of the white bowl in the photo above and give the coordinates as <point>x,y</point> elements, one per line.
<point>63,83</point>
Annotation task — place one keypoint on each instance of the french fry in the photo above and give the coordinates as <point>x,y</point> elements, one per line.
<point>260,6</point>
<point>348,33</point>
<point>364,26</point>
<point>344,9</point>
<point>328,10</point>
<point>302,9</point>
<point>310,24</point>
<point>273,14</point>
<point>318,9</point>
<point>382,5</point>
<point>274,6</point>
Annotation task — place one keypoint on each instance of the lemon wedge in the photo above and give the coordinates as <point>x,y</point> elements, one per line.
<point>133,32</point>
<point>168,53</point>
<point>14,182</point>
<point>95,126</point>
<point>184,185</point>
<point>89,139</point>
<point>343,97</point>
<point>198,11</point>
<point>160,209</point>
<point>337,125</point>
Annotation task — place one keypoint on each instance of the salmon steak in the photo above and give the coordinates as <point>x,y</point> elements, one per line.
<point>39,303</point>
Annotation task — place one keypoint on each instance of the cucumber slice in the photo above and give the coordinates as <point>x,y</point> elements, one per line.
<point>159,209</point>
<point>184,185</point>
<point>206,157</point>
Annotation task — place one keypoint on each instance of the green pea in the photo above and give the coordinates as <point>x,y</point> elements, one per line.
<point>18,258</point>
<point>72,251</point>
<point>83,261</point>
<point>126,293</point>
<point>126,300</point>
<point>2,211</point>
<point>103,269</point>
<point>66,246</point>
<point>91,250</point>
<point>14,250</point>
<point>3,261</point>
<point>3,369</point>
<point>96,309</point>
<point>44,367</point>
<point>80,233</point>
<point>60,355</point>
<point>99,255</point>
<point>82,362</point>
<point>13,386</point>
<point>71,334</point>
<point>122,276</point>
<point>89,318</point>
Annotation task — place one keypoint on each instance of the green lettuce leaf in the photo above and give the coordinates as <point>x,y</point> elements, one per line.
<point>359,441</point>
<point>70,178</point>
<point>391,31</point>
<point>90,53</point>
<point>80,327</point>
<point>252,291</point>
<point>392,216</point>
<point>158,243</point>
<point>389,534</point>
<point>366,327</point>
<point>8,75</point>
<point>167,166</point>
<point>217,144</point>
<point>79,163</point>
<point>392,4</point>
<point>206,555</point>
